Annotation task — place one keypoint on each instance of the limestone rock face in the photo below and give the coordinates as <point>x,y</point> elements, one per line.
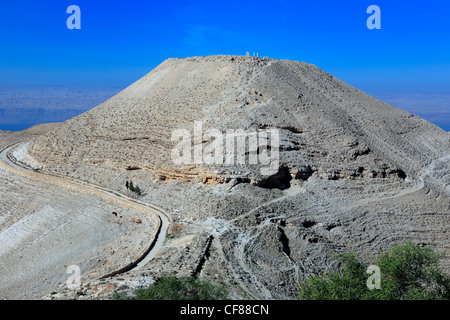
<point>353,174</point>
<point>324,123</point>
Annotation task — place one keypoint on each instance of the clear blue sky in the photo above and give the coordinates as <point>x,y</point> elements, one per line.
<point>406,63</point>
<point>120,41</point>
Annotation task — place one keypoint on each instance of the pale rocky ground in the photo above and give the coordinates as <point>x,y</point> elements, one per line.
<point>47,224</point>
<point>355,174</point>
<point>9,137</point>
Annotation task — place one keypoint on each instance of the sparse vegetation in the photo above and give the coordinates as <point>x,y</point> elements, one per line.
<point>174,230</point>
<point>133,191</point>
<point>408,272</point>
<point>178,288</point>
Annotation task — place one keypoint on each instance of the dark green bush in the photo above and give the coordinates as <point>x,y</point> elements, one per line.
<point>182,288</point>
<point>134,191</point>
<point>408,272</point>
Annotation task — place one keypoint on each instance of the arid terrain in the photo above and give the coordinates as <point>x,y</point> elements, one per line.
<point>354,174</point>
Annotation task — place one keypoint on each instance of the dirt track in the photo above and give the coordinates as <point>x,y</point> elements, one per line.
<point>357,174</point>
<point>48,223</point>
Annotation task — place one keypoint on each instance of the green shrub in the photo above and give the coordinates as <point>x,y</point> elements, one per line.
<point>408,272</point>
<point>182,288</point>
<point>134,191</point>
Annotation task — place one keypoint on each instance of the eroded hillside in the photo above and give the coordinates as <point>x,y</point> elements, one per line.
<point>354,173</point>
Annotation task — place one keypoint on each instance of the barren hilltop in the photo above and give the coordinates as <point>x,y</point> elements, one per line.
<point>354,173</point>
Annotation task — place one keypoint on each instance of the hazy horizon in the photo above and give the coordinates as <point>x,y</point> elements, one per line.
<point>24,106</point>
<point>405,63</point>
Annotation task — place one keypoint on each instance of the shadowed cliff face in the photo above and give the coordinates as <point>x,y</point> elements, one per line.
<point>353,173</point>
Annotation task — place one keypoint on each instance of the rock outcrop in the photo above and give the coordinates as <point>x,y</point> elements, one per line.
<point>353,174</point>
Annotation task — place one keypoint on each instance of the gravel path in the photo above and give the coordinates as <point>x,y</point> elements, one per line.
<point>49,222</point>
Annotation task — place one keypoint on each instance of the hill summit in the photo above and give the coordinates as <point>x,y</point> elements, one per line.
<point>334,168</point>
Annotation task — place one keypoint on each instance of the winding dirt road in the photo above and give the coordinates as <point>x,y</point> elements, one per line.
<point>162,217</point>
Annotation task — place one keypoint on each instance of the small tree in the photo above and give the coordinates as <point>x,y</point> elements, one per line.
<point>408,272</point>
<point>182,288</point>
<point>135,191</point>
<point>131,186</point>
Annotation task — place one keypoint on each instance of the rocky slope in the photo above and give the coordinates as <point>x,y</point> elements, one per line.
<point>354,174</point>
<point>47,225</point>
<point>9,137</point>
